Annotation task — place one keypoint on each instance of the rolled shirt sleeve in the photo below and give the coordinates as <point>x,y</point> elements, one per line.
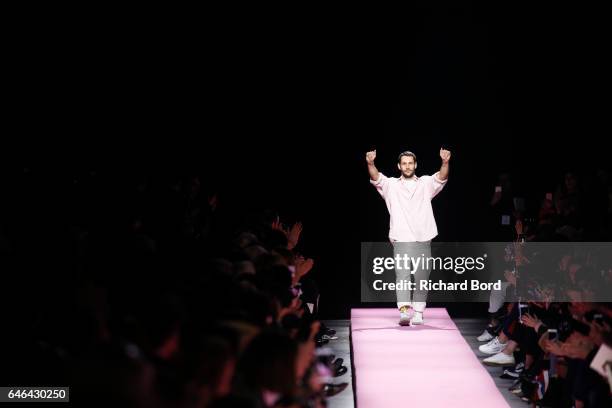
<point>380,184</point>
<point>436,185</point>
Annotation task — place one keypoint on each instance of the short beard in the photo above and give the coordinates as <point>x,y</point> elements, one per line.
<point>410,176</point>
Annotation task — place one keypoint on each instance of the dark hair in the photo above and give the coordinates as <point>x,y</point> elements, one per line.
<point>269,362</point>
<point>276,282</point>
<point>205,360</point>
<point>274,238</point>
<point>406,153</point>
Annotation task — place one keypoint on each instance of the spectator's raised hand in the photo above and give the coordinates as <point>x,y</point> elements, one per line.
<point>553,347</point>
<point>296,306</point>
<point>213,201</point>
<point>293,236</point>
<point>529,320</point>
<point>519,258</point>
<point>277,225</point>
<point>303,266</point>
<point>547,295</point>
<point>577,346</point>
<point>496,198</point>
<point>598,331</point>
<point>510,277</point>
<point>518,227</point>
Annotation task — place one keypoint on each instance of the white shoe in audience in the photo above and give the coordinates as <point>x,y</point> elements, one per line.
<point>485,336</point>
<point>500,359</point>
<point>492,347</point>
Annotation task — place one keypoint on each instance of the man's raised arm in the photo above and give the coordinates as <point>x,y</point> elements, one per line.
<point>370,157</point>
<point>445,156</point>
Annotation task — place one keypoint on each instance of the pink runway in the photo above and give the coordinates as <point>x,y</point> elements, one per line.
<point>420,366</point>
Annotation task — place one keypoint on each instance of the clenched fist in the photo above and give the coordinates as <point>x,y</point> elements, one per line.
<point>370,156</point>
<point>445,155</point>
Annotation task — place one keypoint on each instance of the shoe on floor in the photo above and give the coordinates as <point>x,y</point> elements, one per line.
<point>500,359</point>
<point>516,387</point>
<point>338,371</point>
<point>514,372</point>
<point>509,375</point>
<point>417,318</point>
<point>338,362</point>
<point>320,341</point>
<point>332,389</point>
<point>492,347</point>
<point>326,330</point>
<point>404,316</point>
<point>329,337</point>
<point>485,336</point>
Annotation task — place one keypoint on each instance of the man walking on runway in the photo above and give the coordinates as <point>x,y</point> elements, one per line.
<point>412,223</point>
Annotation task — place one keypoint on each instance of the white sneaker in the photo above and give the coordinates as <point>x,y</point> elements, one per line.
<point>499,359</point>
<point>417,318</point>
<point>492,347</point>
<point>328,337</point>
<point>485,336</point>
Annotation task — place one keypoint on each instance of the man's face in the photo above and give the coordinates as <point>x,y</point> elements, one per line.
<point>407,166</point>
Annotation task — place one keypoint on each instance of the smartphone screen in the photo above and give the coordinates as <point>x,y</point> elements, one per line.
<point>522,309</point>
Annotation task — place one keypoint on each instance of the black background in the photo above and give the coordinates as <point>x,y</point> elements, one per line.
<point>281,120</point>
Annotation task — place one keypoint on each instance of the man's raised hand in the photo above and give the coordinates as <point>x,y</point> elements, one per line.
<point>371,156</point>
<point>445,155</point>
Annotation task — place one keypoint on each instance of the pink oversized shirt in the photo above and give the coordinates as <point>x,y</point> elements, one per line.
<point>409,205</point>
